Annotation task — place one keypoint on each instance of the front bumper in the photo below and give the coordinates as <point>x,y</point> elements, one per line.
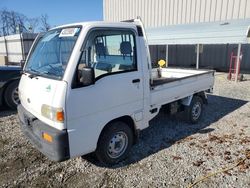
<point>58,149</point>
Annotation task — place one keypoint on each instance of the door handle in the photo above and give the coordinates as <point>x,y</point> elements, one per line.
<point>136,80</point>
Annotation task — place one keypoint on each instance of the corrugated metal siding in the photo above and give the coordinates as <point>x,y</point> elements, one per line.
<point>169,12</point>
<point>229,32</point>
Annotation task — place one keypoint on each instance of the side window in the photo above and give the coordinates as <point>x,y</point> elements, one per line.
<point>109,52</point>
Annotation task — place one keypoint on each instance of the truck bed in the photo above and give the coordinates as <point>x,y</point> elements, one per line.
<point>178,83</point>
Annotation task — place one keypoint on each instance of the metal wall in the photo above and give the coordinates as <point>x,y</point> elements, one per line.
<point>213,56</point>
<point>16,47</point>
<point>169,12</point>
<point>156,13</point>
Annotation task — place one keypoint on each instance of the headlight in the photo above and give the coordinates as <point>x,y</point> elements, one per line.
<point>52,113</point>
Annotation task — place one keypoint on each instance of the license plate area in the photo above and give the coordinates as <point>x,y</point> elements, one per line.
<point>28,120</point>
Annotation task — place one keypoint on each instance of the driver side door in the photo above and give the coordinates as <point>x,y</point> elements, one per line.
<point>117,91</point>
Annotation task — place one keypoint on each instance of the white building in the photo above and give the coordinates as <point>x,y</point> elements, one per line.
<point>155,13</point>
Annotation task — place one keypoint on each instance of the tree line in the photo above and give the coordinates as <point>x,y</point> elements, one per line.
<point>12,22</point>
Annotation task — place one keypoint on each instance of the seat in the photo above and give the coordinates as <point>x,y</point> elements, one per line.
<point>100,49</point>
<point>126,48</point>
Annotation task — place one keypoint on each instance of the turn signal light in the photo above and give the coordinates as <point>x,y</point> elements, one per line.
<point>60,116</point>
<point>47,137</point>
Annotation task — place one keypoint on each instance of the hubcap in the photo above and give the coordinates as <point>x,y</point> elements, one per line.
<point>196,110</point>
<point>117,145</point>
<point>15,97</point>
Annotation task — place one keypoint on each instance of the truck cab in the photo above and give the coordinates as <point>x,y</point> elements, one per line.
<point>89,87</point>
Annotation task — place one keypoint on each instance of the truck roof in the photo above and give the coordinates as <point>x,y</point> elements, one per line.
<point>99,23</point>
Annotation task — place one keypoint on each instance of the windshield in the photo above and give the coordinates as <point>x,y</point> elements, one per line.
<point>52,52</point>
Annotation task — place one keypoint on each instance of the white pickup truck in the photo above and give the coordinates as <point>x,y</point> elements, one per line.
<point>90,87</point>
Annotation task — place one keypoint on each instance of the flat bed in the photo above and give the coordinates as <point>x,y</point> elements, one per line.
<point>169,75</point>
<point>176,83</point>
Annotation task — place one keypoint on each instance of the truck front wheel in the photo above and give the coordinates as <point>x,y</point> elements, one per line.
<point>194,110</point>
<point>11,95</point>
<point>114,143</point>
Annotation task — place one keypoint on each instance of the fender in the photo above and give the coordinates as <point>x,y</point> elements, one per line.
<point>187,100</point>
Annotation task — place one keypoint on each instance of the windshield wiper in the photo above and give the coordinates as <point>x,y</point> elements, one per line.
<point>32,75</point>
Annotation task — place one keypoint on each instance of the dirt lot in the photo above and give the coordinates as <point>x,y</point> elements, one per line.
<point>170,153</point>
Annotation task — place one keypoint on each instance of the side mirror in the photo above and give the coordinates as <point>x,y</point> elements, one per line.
<point>87,76</point>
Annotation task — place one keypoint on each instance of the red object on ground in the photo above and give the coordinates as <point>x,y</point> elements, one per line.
<point>233,65</point>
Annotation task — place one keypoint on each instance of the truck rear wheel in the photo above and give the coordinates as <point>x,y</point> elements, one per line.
<point>194,110</point>
<point>114,143</point>
<point>11,95</point>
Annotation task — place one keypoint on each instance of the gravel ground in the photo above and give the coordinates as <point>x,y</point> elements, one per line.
<point>170,153</point>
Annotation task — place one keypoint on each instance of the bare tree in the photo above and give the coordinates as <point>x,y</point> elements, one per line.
<point>45,26</point>
<point>32,24</point>
<point>12,22</point>
<point>3,22</point>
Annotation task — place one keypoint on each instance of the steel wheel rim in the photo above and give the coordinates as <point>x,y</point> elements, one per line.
<point>196,110</point>
<point>117,145</point>
<point>15,97</point>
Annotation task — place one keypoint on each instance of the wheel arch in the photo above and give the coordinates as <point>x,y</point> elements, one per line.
<point>6,84</point>
<point>203,96</point>
<point>9,82</point>
<point>126,119</point>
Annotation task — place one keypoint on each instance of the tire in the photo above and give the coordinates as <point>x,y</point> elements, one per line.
<point>11,95</point>
<point>194,111</point>
<point>117,134</point>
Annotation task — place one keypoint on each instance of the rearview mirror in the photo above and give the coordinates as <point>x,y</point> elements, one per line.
<point>87,76</point>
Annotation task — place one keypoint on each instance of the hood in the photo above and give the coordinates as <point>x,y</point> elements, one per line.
<point>36,91</point>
